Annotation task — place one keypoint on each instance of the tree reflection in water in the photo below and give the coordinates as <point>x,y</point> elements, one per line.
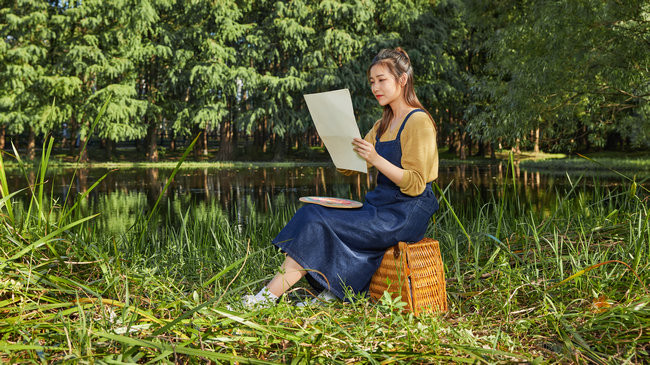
<point>238,193</point>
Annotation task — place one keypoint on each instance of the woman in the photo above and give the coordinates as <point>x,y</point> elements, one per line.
<point>339,248</point>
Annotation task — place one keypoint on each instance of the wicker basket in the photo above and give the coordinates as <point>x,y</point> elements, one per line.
<point>415,272</point>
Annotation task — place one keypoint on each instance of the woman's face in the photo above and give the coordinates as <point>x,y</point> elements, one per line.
<point>383,85</point>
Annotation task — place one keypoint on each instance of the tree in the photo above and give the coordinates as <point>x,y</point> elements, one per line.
<point>276,49</point>
<point>573,71</point>
<point>99,38</point>
<point>26,83</point>
<point>153,54</point>
<point>215,74</point>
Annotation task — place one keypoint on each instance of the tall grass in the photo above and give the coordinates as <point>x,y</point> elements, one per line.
<point>567,285</point>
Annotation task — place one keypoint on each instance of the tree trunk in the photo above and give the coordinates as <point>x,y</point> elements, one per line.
<point>258,141</point>
<point>194,132</point>
<point>265,139</point>
<point>2,138</point>
<point>462,146</point>
<point>201,147</point>
<point>152,141</point>
<point>72,131</point>
<point>110,149</point>
<point>536,148</point>
<point>481,149</point>
<point>225,142</point>
<point>31,145</point>
<point>516,148</point>
<point>83,156</point>
<point>204,143</point>
<point>280,149</point>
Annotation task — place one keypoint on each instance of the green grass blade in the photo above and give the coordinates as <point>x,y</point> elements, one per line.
<point>163,347</point>
<point>586,270</point>
<point>45,239</point>
<point>169,181</point>
<point>453,213</point>
<point>69,211</point>
<point>4,189</point>
<point>45,157</point>
<point>234,317</point>
<point>83,148</point>
<point>6,200</point>
<point>8,347</point>
<point>31,187</point>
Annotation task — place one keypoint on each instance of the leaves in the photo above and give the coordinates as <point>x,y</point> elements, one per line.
<point>576,71</point>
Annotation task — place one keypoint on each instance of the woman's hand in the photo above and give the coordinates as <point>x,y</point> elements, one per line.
<point>366,150</point>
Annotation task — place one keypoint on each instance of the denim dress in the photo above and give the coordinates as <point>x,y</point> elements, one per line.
<point>342,248</point>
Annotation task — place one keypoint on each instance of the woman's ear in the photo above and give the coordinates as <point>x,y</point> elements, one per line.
<point>403,79</point>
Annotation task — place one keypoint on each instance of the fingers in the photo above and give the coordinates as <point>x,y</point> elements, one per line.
<point>359,146</point>
<point>358,142</point>
<point>364,148</point>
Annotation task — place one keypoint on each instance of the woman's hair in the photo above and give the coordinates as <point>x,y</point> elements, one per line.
<point>398,64</point>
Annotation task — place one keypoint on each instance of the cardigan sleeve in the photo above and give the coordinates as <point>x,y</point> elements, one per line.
<point>419,154</point>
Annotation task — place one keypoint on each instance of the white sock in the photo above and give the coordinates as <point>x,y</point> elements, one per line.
<point>265,295</point>
<point>327,296</point>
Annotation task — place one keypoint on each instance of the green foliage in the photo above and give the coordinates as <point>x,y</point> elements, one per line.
<point>25,75</point>
<point>211,75</point>
<point>576,71</point>
<point>98,45</point>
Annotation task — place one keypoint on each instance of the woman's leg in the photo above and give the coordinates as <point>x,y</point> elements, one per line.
<point>289,274</point>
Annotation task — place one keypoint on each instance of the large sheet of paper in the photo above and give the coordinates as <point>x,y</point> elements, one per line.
<point>333,116</point>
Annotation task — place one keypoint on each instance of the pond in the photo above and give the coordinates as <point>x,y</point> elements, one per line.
<point>126,194</point>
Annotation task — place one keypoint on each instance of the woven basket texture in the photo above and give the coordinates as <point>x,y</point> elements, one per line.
<point>414,271</point>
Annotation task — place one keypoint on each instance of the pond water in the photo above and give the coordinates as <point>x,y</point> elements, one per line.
<point>237,192</point>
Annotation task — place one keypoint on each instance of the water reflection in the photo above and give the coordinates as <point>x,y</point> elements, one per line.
<point>126,193</point>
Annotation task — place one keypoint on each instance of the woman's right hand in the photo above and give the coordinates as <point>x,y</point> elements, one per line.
<point>366,150</point>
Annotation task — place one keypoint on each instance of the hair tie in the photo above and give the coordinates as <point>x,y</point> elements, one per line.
<point>402,52</point>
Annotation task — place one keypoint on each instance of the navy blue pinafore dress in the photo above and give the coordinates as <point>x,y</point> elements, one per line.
<point>344,247</point>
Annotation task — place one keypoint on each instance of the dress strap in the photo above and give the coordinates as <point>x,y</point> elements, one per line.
<point>401,128</point>
<point>399,133</point>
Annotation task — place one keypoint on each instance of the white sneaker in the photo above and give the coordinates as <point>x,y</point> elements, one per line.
<point>325,296</point>
<point>249,301</point>
<point>262,299</point>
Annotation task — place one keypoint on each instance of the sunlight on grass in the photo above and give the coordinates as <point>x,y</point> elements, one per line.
<point>523,286</point>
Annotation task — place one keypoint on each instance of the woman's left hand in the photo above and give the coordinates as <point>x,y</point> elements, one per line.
<point>365,149</point>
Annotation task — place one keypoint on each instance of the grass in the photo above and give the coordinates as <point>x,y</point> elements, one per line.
<point>565,284</point>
